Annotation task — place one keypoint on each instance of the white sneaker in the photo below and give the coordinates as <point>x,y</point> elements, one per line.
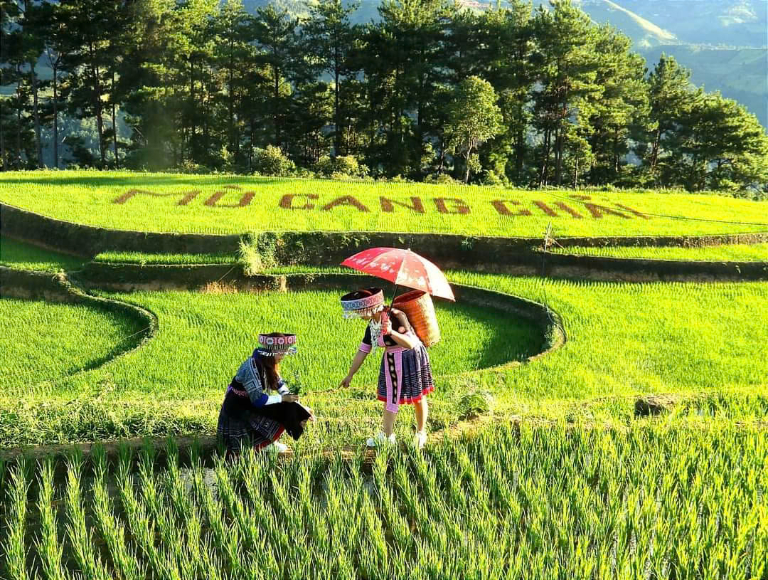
<point>380,439</point>
<point>277,447</point>
<point>421,439</point>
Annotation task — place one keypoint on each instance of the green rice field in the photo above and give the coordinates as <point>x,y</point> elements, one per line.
<point>534,469</point>
<point>177,380</point>
<point>237,204</point>
<point>42,343</point>
<point>723,253</point>
<point>624,340</point>
<point>649,501</point>
<point>23,256</point>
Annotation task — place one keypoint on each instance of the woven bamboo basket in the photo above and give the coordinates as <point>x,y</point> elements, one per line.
<point>420,311</point>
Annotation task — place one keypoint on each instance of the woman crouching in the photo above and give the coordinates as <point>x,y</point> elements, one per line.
<point>405,375</point>
<point>250,415</point>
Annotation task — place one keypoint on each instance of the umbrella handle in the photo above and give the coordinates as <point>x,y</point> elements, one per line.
<point>394,295</point>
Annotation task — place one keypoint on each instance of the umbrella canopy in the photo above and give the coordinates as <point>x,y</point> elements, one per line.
<point>403,268</point>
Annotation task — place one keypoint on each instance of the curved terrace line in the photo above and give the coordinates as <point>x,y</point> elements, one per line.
<point>548,322</point>
<point>29,284</point>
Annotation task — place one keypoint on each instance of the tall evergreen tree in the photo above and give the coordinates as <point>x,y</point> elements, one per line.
<point>503,58</point>
<point>670,97</point>
<point>721,146</point>
<point>55,47</point>
<point>10,55</point>
<point>621,105</point>
<point>329,38</point>
<point>276,31</point>
<point>403,64</point>
<point>91,60</point>
<point>567,63</point>
<point>234,54</point>
<point>153,85</point>
<point>33,32</point>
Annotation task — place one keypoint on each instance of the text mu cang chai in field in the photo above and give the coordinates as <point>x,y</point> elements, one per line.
<point>582,207</point>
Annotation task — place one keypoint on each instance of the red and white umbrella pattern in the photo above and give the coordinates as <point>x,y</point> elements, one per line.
<point>403,268</point>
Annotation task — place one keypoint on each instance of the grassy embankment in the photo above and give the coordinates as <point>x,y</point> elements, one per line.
<point>212,204</point>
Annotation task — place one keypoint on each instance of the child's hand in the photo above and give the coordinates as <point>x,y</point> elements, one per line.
<point>289,398</point>
<point>386,327</point>
<point>345,382</point>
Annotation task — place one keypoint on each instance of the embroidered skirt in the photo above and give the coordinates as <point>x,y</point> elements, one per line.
<point>405,376</point>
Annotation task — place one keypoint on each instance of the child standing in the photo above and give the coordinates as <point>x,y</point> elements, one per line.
<point>405,375</point>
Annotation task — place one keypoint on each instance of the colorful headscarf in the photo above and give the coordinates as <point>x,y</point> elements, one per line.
<point>365,302</point>
<point>276,343</point>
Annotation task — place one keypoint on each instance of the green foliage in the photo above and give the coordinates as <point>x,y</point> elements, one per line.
<point>258,251</point>
<point>473,118</point>
<point>208,86</point>
<point>272,161</point>
<point>442,178</point>
<point>340,167</point>
<point>472,405</point>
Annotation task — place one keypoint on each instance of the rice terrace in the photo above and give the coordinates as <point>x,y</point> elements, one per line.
<point>545,221</point>
<point>600,399</point>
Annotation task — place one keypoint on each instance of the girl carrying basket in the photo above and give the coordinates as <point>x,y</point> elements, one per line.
<point>405,375</point>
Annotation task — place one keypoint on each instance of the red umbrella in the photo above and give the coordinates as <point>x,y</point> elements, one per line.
<point>403,268</point>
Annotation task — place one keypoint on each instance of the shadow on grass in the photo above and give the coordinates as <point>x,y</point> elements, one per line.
<point>508,337</point>
<point>142,180</point>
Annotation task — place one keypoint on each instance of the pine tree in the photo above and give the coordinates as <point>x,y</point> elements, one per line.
<point>621,105</point>
<point>504,59</point>
<point>234,54</point>
<point>33,32</point>
<point>670,96</point>
<point>722,146</point>
<point>403,64</point>
<point>329,39</point>
<point>276,31</point>
<point>567,63</point>
<point>10,55</point>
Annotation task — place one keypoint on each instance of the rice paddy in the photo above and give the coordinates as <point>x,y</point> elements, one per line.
<point>219,204</point>
<point>43,342</point>
<point>176,381</point>
<point>722,253</point>
<point>649,501</point>
<point>23,256</point>
<point>150,259</point>
<point>577,487</point>
<point>624,340</point>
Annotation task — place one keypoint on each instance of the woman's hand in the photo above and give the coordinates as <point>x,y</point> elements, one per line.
<point>386,327</point>
<point>345,382</point>
<point>290,398</point>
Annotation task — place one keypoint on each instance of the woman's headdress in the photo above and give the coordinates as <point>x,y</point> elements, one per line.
<point>276,343</point>
<point>364,302</point>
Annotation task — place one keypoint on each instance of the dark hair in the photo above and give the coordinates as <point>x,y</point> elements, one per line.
<point>271,370</point>
<point>362,293</point>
